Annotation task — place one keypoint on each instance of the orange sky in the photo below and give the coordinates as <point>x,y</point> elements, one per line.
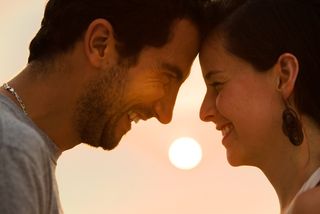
<point>137,177</point>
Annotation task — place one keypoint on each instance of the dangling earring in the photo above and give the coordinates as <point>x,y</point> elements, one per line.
<point>291,126</point>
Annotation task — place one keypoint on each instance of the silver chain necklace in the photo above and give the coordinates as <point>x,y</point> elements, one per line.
<point>14,93</point>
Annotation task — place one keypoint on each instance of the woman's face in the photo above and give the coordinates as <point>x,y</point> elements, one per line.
<point>244,104</point>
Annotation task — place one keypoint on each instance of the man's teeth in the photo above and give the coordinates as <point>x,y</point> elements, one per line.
<point>133,117</point>
<point>136,120</point>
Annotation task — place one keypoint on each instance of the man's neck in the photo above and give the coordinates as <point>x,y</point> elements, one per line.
<point>50,103</point>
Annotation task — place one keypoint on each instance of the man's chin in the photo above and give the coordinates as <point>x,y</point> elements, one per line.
<point>110,144</point>
<point>110,141</point>
<point>109,148</point>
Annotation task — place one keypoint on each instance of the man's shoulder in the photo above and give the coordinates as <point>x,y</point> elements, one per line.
<point>16,133</point>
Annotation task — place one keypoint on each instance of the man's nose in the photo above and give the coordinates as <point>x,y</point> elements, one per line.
<point>164,110</point>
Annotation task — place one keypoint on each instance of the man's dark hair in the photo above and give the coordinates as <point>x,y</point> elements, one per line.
<point>136,23</point>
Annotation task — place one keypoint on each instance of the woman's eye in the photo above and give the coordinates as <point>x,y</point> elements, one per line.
<point>217,86</point>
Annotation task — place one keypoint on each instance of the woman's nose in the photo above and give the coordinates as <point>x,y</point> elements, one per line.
<point>207,109</point>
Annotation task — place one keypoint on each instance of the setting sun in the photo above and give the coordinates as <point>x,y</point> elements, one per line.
<point>185,153</point>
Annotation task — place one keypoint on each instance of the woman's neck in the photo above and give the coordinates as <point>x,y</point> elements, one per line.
<point>286,183</point>
<point>291,166</point>
<point>288,173</point>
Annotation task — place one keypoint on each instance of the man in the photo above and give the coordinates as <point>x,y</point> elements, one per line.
<point>94,67</point>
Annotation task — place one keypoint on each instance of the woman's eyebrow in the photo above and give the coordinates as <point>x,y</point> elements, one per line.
<point>211,73</point>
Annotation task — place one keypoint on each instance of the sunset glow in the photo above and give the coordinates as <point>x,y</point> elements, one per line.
<point>138,176</point>
<point>185,153</point>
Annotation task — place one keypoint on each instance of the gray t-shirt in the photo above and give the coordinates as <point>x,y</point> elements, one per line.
<point>27,165</point>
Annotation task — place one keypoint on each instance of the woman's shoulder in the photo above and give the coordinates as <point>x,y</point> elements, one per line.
<point>307,202</point>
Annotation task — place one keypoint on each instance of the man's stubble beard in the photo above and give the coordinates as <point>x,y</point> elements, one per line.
<point>100,107</point>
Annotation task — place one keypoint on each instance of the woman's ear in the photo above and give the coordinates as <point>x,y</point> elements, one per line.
<point>99,43</point>
<point>288,70</point>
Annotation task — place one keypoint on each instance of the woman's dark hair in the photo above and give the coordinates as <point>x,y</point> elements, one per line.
<point>136,23</point>
<point>259,31</point>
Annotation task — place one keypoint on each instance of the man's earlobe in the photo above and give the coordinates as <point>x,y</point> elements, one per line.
<point>288,72</point>
<point>98,39</point>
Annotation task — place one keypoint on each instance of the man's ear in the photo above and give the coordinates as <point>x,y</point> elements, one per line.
<point>288,70</point>
<point>99,43</point>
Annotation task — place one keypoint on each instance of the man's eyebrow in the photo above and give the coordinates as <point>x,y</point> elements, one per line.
<point>177,72</point>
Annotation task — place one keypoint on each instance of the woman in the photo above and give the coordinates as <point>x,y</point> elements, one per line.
<point>261,63</point>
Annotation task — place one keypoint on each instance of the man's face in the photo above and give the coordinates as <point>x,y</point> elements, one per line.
<point>147,89</point>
